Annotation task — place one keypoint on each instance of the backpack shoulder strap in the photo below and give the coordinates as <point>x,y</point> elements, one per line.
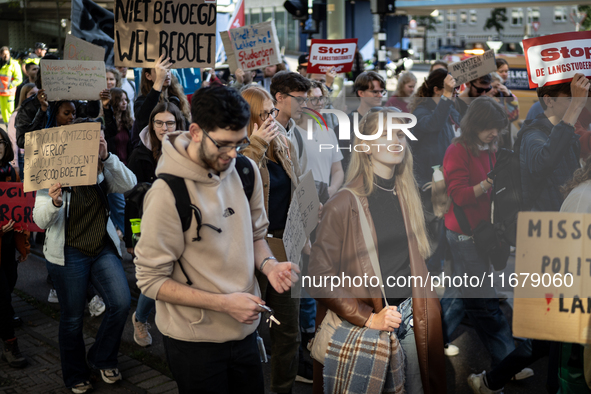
<point>300,142</point>
<point>246,173</point>
<point>181,195</point>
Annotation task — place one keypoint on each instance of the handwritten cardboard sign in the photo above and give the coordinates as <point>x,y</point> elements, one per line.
<point>73,79</point>
<point>557,58</point>
<point>473,67</point>
<point>17,205</point>
<point>302,217</point>
<point>227,42</point>
<point>326,54</point>
<point>256,46</point>
<point>184,30</point>
<point>553,274</point>
<point>67,154</point>
<point>78,49</point>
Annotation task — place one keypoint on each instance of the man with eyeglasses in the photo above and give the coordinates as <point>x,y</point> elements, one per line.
<point>207,297</point>
<point>290,92</point>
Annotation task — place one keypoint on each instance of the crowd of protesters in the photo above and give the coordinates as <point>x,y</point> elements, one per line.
<point>234,155</point>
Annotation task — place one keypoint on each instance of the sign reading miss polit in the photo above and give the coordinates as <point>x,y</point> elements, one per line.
<point>326,54</point>
<point>557,58</point>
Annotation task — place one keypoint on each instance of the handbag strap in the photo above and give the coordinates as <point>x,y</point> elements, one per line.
<point>370,244</point>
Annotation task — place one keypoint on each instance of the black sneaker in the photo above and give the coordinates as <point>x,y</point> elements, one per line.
<point>12,354</point>
<point>305,372</point>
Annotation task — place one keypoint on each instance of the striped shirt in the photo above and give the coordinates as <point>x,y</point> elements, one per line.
<point>87,222</point>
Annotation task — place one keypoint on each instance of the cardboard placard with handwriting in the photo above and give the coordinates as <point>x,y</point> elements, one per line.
<point>227,42</point>
<point>67,154</point>
<point>256,46</point>
<point>183,30</point>
<point>302,217</point>
<point>552,277</point>
<point>17,205</point>
<point>78,49</point>
<point>473,67</point>
<point>73,79</point>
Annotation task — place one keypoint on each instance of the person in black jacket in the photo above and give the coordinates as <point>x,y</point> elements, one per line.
<point>550,149</point>
<point>157,85</point>
<point>164,119</point>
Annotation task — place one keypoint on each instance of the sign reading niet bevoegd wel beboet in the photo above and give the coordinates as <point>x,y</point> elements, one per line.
<point>183,30</point>
<point>326,54</point>
<point>555,59</point>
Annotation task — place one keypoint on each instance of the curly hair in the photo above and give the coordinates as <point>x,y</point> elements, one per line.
<point>581,175</point>
<point>173,90</point>
<point>117,95</point>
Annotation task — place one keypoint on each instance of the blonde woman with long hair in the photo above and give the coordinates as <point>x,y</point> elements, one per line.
<point>381,176</point>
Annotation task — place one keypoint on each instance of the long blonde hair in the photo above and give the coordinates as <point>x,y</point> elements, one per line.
<point>406,185</point>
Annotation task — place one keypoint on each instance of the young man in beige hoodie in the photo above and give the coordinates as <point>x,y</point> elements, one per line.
<point>209,325</point>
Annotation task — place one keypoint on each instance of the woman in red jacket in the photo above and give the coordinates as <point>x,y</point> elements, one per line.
<point>466,164</point>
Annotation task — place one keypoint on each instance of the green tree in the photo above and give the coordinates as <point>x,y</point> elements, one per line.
<point>586,24</point>
<point>498,16</point>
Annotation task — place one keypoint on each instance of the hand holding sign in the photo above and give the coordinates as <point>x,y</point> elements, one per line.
<point>8,227</point>
<point>449,84</point>
<point>162,70</point>
<point>579,88</point>
<point>42,97</point>
<point>55,192</point>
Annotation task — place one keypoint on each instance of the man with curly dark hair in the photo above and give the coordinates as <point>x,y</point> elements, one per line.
<point>207,297</point>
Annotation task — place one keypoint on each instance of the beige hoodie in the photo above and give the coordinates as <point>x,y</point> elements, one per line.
<point>220,263</point>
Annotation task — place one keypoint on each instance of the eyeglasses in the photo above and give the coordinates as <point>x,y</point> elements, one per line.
<point>227,148</point>
<point>481,90</point>
<point>317,100</point>
<point>381,92</point>
<point>264,115</point>
<point>300,100</point>
<point>171,124</point>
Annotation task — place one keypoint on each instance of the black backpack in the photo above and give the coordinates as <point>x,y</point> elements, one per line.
<point>134,198</point>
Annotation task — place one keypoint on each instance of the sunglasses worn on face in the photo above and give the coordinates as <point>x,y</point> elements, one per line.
<point>481,90</point>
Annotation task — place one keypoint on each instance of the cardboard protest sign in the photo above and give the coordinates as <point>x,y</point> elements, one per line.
<point>557,58</point>
<point>17,205</point>
<point>256,46</point>
<point>67,154</point>
<point>302,217</point>
<point>232,64</point>
<point>552,277</point>
<point>184,30</point>
<point>77,49</point>
<point>326,54</point>
<point>473,67</point>
<point>73,79</point>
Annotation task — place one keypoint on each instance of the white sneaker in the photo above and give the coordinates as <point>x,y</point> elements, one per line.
<point>52,297</point>
<point>476,383</point>
<point>451,350</point>
<point>141,335</point>
<point>96,306</point>
<point>111,375</point>
<point>524,374</point>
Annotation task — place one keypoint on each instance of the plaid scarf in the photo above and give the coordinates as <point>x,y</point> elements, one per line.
<point>362,360</point>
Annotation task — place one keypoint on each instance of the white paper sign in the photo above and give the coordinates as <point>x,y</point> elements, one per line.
<point>72,79</point>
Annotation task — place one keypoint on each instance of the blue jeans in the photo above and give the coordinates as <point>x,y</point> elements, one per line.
<point>406,337</point>
<point>144,308</point>
<point>106,274</point>
<point>488,320</point>
<point>117,206</point>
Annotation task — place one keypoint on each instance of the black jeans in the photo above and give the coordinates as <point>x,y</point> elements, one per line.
<point>216,368</point>
<point>8,277</point>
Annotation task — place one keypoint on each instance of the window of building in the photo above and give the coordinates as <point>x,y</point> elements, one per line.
<point>439,17</point>
<point>255,16</point>
<point>560,14</point>
<point>533,15</point>
<point>267,14</point>
<point>451,21</point>
<point>473,17</point>
<point>463,17</point>
<point>516,16</point>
